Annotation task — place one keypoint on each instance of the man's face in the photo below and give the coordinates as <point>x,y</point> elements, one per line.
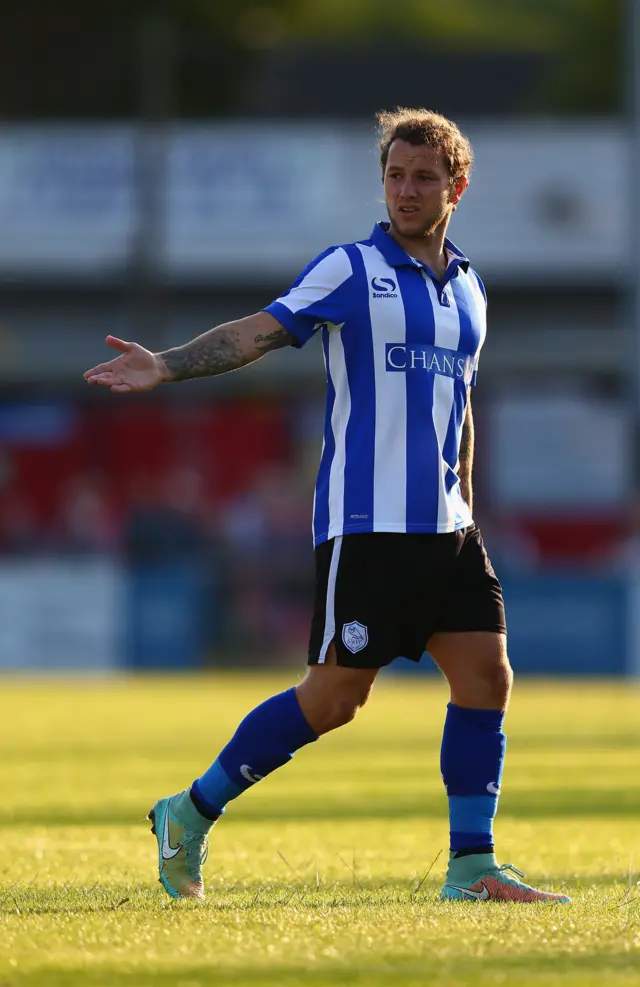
<point>418,189</point>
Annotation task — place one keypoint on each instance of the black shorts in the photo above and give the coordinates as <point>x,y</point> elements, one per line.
<point>381,596</point>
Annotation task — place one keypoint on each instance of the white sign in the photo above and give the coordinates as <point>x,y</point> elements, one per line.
<point>531,213</point>
<point>257,201</point>
<point>66,198</point>
<point>60,614</point>
<point>559,451</point>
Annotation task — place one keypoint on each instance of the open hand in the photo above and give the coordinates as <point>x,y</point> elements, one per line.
<point>137,369</point>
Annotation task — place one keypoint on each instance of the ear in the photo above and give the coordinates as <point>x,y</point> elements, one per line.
<point>458,188</point>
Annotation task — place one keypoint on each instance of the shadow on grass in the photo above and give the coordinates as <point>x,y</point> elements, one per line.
<point>590,968</point>
<point>358,746</point>
<point>536,803</point>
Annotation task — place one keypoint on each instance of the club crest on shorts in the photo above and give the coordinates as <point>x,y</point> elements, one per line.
<point>355,636</point>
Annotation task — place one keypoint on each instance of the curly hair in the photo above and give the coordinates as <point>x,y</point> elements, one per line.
<point>420,126</point>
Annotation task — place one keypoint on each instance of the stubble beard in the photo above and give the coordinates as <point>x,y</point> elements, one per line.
<point>429,227</point>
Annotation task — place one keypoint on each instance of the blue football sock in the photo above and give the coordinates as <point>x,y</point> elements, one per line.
<point>471,761</point>
<point>265,740</point>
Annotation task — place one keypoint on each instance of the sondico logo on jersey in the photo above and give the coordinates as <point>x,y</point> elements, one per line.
<point>384,288</point>
<point>403,358</point>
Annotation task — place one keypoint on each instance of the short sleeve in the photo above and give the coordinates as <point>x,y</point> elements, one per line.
<point>318,296</point>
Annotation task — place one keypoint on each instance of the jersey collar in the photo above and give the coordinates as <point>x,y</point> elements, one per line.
<point>395,256</point>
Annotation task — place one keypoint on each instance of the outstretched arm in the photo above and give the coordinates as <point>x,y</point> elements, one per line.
<point>465,459</point>
<point>227,347</point>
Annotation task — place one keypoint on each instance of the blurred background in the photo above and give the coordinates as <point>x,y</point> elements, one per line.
<point>167,166</point>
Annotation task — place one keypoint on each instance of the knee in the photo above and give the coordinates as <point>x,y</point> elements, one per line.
<point>498,677</point>
<point>477,667</point>
<point>337,709</point>
<point>342,709</point>
<point>330,696</point>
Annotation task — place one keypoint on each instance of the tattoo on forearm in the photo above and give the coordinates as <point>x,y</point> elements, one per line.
<point>215,352</point>
<point>219,351</point>
<point>273,340</point>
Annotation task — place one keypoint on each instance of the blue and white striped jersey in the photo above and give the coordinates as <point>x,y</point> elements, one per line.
<point>401,350</point>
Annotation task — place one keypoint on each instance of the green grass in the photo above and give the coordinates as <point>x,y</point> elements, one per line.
<point>316,876</point>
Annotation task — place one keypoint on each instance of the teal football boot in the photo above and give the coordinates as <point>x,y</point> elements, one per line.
<point>181,833</point>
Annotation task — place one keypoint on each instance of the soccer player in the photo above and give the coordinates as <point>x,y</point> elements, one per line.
<point>400,565</point>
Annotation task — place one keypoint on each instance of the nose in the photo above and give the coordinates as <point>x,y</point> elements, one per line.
<point>407,188</point>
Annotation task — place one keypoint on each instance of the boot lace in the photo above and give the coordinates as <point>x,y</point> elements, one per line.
<point>514,870</point>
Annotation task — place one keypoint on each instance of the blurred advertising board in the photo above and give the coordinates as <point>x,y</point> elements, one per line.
<point>66,199</point>
<point>559,449</point>
<point>258,202</point>
<point>60,615</point>
<point>93,615</point>
<point>254,201</point>
<point>564,624</point>
<point>567,624</point>
<point>164,616</point>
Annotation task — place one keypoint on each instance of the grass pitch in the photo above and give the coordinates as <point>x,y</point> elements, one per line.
<point>326,873</point>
